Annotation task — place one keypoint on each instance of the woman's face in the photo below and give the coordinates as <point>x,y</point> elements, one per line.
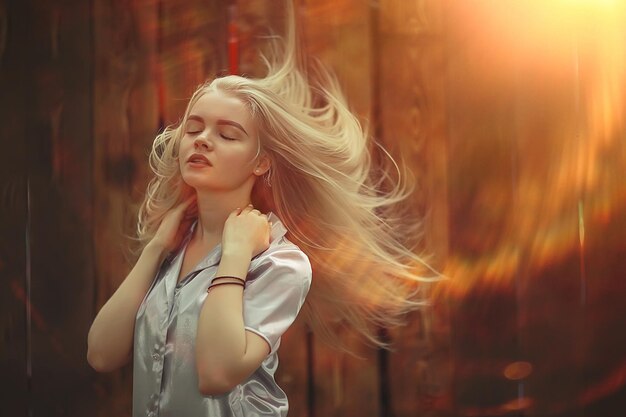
<point>220,129</point>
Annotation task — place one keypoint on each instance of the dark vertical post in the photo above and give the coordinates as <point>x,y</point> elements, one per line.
<point>45,210</point>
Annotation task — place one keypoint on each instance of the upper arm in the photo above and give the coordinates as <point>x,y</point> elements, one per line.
<point>257,349</point>
<point>271,301</point>
<point>101,366</point>
<point>275,295</point>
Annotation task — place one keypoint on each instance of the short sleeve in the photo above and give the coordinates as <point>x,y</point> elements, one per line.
<point>275,292</point>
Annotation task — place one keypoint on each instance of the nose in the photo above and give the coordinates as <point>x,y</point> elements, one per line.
<point>202,142</point>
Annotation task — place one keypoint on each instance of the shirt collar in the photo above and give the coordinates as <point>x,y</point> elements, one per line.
<point>278,231</point>
<point>278,228</point>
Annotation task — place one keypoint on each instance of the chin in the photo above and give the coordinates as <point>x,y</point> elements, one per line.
<point>197,185</point>
<point>194,181</point>
<point>201,184</point>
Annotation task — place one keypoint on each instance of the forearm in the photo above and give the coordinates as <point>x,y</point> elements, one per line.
<point>110,338</point>
<point>221,338</point>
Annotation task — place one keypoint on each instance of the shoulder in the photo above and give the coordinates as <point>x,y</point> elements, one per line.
<point>283,261</point>
<point>281,249</point>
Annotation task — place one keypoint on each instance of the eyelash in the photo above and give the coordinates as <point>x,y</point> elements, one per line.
<point>225,137</point>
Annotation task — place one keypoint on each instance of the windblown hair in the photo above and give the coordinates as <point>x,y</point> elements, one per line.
<point>343,210</point>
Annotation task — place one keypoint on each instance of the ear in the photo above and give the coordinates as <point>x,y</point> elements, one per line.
<point>263,165</point>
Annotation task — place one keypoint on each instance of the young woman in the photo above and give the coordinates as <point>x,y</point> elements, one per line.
<point>264,184</point>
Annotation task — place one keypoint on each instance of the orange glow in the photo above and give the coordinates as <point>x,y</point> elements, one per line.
<point>571,56</point>
<point>518,370</point>
<point>517,404</point>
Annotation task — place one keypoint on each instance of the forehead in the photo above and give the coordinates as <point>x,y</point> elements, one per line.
<point>219,105</point>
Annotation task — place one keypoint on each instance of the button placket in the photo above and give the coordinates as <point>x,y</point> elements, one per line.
<point>153,407</point>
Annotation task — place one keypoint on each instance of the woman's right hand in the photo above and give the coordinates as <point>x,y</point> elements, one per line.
<point>174,225</point>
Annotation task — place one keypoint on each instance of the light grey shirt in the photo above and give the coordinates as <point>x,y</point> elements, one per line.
<point>165,379</point>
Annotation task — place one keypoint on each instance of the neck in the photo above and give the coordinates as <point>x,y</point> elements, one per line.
<point>214,207</point>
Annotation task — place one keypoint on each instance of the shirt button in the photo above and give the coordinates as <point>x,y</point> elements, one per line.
<point>155,356</point>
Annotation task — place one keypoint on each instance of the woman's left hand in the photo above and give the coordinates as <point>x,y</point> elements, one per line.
<point>246,230</point>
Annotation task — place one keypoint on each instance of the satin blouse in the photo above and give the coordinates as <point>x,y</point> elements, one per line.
<point>165,379</point>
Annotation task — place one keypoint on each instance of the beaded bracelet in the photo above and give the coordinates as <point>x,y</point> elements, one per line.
<point>223,283</point>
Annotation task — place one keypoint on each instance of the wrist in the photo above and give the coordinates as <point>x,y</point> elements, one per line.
<point>155,248</point>
<point>238,253</point>
<point>234,263</point>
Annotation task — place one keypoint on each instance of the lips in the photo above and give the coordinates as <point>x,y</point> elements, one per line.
<point>197,158</point>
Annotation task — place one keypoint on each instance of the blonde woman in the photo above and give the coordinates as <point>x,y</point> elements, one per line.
<point>265,202</point>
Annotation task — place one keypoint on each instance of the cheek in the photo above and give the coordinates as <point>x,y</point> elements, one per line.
<point>235,156</point>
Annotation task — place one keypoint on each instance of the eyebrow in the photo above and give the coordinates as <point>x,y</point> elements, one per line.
<point>219,122</point>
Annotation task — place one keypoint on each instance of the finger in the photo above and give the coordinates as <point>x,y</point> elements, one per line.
<point>247,208</point>
<point>187,202</point>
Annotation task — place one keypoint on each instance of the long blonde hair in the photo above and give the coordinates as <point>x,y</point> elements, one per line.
<point>343,210</point>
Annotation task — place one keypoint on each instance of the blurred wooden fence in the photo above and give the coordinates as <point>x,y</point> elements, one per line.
<point>509,113</point>
<point>88,84</point>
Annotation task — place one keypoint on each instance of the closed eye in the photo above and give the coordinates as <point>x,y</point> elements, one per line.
<point>195,132</point>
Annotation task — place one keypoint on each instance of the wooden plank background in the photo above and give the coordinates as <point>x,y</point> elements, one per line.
<point>535,251</point>
<point>46,261</point>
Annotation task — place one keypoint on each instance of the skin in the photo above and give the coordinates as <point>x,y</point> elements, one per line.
<point>228,183</point>
<point>226,353</point>
<point>221,128</point>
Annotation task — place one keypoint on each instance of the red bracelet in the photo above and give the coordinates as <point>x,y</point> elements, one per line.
<point>223,283</point>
